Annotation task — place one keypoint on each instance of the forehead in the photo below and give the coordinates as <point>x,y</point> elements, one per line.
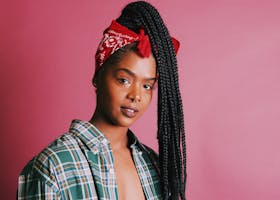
<point>139,66</point>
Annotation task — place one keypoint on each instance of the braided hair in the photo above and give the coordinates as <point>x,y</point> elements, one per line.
<point>171,134</point>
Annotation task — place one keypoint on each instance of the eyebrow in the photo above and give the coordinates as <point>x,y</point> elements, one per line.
<point>133,74</point>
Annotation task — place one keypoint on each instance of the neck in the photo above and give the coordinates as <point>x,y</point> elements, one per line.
<point>116,135</point>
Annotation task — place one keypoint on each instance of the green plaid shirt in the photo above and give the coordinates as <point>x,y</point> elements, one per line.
<point>79,165</point>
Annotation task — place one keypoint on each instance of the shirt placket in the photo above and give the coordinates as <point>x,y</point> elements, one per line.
<point>107,170</point>
<point>140,164</point>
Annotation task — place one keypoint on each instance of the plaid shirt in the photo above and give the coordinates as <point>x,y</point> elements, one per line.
<point>79,165</point>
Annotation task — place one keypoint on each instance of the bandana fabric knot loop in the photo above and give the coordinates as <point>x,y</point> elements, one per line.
<point>144,45</point>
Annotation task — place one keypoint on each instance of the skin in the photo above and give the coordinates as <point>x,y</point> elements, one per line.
<point>124,92</point>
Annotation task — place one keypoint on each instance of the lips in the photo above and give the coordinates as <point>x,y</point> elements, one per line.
<point>129,112</point>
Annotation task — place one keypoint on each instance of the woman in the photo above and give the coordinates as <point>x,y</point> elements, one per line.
<point>102,158</point>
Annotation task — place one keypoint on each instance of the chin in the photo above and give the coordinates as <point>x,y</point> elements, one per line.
<point>124,122</point>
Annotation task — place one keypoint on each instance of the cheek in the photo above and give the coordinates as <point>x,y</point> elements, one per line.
<point>115,94</point>
<point>107,95</point>
<point>146,99</point>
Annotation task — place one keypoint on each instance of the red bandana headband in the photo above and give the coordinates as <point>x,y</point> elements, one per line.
<point>117,36</point>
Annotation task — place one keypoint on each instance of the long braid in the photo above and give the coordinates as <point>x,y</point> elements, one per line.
<point>171,134</point>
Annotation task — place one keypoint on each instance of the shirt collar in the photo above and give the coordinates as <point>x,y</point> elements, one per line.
<point>92,137</point>
<point>133,140</point>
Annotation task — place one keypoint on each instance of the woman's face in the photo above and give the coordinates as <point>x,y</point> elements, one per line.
<point>124,91</point>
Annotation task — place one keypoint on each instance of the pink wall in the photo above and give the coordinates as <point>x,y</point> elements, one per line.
<point>229,76</point>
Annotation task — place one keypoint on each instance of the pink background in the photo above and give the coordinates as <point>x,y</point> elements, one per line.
<point>229,78</point>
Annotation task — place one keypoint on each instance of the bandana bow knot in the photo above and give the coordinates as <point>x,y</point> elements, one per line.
<point>117,36</point>
<point>144,45</point>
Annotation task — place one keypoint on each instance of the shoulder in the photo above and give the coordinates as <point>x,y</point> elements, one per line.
<point>43,174</point>
<point>51,158</point>
<point>153,156</point>
<point>150,151</point>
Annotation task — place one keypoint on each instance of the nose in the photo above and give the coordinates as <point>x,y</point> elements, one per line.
<point>134,93</point>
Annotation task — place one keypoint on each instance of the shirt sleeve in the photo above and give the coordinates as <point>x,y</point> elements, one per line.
<point>34,184</point>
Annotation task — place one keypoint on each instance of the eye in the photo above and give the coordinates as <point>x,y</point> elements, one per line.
<point>123,81</point>
<point>148,87</point>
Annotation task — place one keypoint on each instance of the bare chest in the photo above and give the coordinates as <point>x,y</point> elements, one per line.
<point>128,181</point>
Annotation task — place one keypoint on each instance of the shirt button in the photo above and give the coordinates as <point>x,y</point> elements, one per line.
<point>104,141</point>
<point>95,150</point>
<point>140,153</point>
<point>111,170</point>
